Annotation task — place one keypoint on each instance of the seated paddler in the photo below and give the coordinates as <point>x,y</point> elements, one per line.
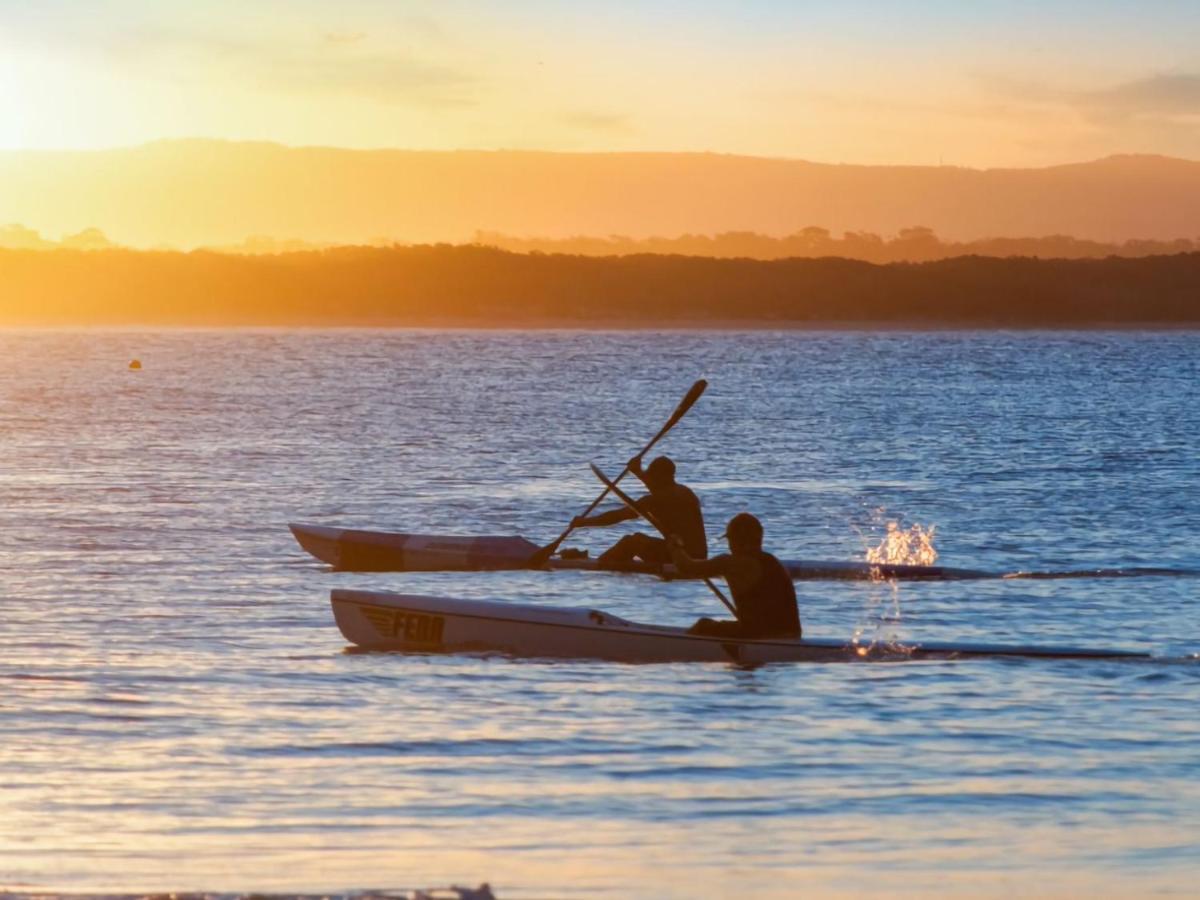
<point>671,503</point>
<point>763,594</point>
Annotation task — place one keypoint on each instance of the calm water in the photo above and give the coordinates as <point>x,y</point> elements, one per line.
<point>177,710</point>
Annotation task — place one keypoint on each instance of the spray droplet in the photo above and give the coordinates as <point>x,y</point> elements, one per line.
<point>911,546</point>
<point>135,364</point>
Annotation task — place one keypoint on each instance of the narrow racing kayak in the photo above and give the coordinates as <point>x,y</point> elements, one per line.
<point>350,550</point>
<point>375,620</point>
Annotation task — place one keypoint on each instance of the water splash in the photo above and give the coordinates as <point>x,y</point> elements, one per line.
<point>912,546</point>
<point>877,633</point>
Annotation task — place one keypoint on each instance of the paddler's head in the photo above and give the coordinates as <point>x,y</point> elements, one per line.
<point>744,533</point>
<point>660,474</point>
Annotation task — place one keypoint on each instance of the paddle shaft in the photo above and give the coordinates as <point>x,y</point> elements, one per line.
<point>685,404</point>
<point>653,520</point>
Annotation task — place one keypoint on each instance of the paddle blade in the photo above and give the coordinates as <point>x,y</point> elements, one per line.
<point>686,403</point>
<point>604,479</point>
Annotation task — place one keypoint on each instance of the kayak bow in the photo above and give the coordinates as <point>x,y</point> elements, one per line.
<point>349,550</point>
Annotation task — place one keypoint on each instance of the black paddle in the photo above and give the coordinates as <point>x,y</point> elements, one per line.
<point>539,558</point>
<point>649,517</point>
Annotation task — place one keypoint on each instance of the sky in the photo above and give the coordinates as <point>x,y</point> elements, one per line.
<point>980,84</point>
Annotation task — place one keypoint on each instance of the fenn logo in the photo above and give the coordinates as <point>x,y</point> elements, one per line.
<point>414,627</point>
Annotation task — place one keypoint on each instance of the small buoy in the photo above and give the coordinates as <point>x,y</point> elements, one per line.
<point>135,364</point>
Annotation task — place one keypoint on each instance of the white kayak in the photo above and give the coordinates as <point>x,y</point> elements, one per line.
<point>353,550</point>
<point>375,620</point>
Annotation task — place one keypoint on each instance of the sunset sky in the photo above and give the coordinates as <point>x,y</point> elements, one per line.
<point>979,84</point>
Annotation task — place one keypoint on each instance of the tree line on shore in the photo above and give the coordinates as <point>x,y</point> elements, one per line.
<point>916,244</point>
<point>481,286</point>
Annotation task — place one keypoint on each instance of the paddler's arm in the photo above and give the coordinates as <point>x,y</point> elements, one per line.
<point>688,567</point>
<point>734,569</point>
<point>604,519</point>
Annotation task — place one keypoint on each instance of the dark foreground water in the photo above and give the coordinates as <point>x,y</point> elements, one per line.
<point>177,711</point>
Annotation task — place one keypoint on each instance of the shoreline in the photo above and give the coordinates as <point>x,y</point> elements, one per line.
<point>602,327</point>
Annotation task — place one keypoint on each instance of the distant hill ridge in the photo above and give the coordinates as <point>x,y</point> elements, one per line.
<point>206,192</point>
